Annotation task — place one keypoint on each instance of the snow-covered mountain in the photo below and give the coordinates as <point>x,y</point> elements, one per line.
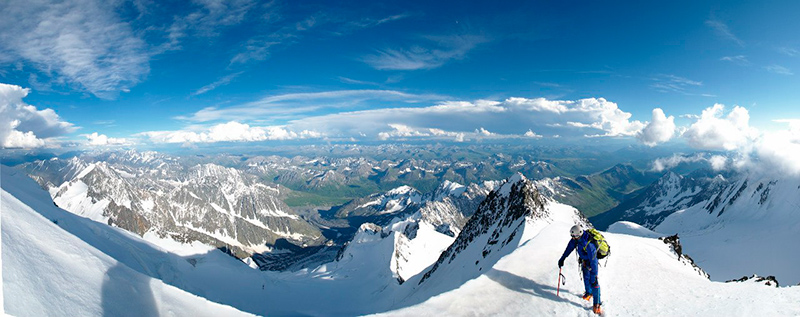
<point>154,196</point>
<point>596,193</point>
<point>447,207</point>
<point>396,252</point>
<point>75,266</point>
<point>510,214</point>
<point>49,271</point>
<point>733,224</point>
<point>389,202</point>
<point>670,193</point>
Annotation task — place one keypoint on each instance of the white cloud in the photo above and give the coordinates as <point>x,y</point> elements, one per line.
<point>659,130</point>
<point>210,16</point>
<point>780,149</point>
<point>484,132</point>
<point>221,82</point>
<point>370,22</point>
<point>794,124</point>
<point>96,139</point>
<point>24,126</point>
<point>446,48</point>
<point>17,139</point>
<point>509,118</point>
<point>738,59</point>
<point>399,130</point>
<point>663,163</point>
<point>778,69</point>
<point>207,19</point>
<point>75,42</point>
<point>718,162</point>
<point>229,132</point>
<point>788,51</point>
<point>724,31</point>
<point>749,149</point>
<point>357,82</point>
<point>715,132</point>
<point>258,47</point>
<point>677,84</point>
<point>296,104</point>
<point>531,134</point>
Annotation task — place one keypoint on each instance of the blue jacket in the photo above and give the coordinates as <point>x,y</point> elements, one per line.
<point>587,251</point>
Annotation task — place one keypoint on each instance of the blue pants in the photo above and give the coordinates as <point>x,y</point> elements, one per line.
<point>590,283</point>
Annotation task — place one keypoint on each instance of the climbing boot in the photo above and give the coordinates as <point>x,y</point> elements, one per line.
<point>597,310</point>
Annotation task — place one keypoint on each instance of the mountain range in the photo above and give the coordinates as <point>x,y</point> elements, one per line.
<point>502,262</point>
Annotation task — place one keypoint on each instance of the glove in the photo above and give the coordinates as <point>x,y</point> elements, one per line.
<point>560,263</point>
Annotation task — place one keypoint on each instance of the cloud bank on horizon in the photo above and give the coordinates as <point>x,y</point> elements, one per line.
<point>745,147</point>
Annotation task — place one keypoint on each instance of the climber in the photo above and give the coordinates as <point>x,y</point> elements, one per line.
<point>587,257</point>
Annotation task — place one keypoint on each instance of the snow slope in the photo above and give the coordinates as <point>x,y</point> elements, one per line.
<point>49,272</point>
<point>642,278</point>
<point>750,227</point>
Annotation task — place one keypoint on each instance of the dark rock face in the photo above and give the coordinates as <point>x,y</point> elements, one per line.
<point>499,217</point>
<point>675,244</point>
<point>411,230</point>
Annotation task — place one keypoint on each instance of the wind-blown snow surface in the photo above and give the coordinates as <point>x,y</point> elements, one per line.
<point>49,272</point>
<point>633,229</point>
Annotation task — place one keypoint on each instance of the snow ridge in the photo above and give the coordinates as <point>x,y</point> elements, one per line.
<point>503,213</point>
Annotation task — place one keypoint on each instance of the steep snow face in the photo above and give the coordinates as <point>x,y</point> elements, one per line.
<point>417,248</point>
<point>395,252</point>
<point>643,277</point>
<point>748,227</point>
<point>49,272</point>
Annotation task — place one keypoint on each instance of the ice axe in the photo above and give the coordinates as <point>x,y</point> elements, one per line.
<point>560,282</point>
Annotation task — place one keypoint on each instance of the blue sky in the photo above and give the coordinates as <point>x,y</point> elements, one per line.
<point>135,73</point>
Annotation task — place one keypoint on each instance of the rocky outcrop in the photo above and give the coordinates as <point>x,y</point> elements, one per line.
<point>768,281</point>
<point>675,245</point>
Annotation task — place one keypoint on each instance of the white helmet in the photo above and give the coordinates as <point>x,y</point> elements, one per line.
<point>575,231</point>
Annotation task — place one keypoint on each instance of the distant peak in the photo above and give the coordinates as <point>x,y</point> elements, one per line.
<point>449,186</point>
<point>402,190</point>
<point>517,177</point>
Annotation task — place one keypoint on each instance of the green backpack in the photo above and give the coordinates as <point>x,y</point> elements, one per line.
<point>603,249</point>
